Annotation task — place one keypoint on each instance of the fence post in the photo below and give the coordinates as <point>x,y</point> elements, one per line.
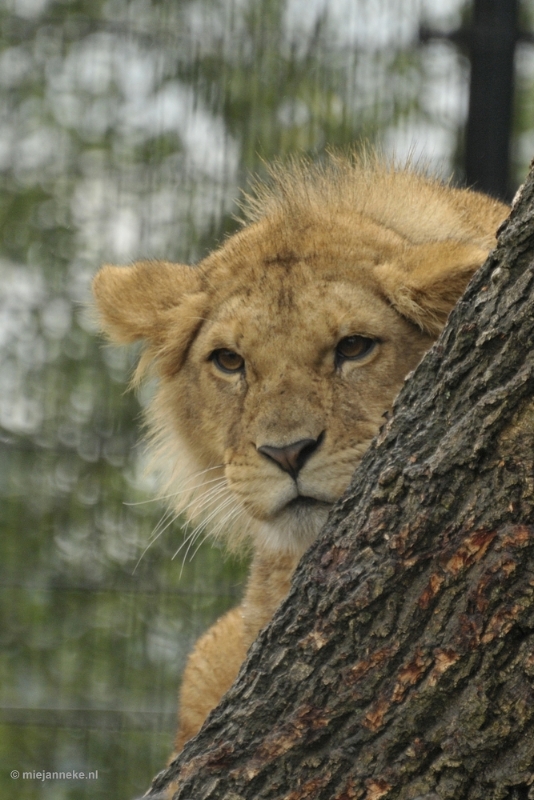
<point>492,42</point>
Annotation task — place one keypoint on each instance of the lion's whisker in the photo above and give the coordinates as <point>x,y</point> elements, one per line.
<point>201,527</point>
<point>231,516</point>
<point>155,536</point>
<point>173,494</point>
<point>197,548</point>
<point>206,498</point>
<point>170,516</point>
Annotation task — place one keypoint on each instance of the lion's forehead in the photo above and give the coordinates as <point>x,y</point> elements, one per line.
<point>291,313</point>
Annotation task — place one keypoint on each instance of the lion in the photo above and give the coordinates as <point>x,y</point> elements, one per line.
<point>278,355</point>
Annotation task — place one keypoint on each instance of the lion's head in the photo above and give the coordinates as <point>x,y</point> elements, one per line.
<point>278,354</point>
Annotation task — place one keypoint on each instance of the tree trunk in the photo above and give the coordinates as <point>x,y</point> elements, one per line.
<point>402,663</point>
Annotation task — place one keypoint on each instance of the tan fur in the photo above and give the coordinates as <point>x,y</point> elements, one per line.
<point>350,248</point>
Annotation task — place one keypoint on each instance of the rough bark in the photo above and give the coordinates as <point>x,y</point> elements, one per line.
<point>402,663</point>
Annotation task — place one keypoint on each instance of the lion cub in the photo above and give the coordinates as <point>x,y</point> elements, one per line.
<point>277,356</point>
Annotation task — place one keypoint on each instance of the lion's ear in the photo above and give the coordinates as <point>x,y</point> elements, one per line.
<point>134,302</point>
<point>428,280</point>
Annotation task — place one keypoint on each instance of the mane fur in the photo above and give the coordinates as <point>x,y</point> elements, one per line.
<point>403,198</point>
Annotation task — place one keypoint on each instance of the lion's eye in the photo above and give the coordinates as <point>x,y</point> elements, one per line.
<point>227,360</point>
<point>352,348</point>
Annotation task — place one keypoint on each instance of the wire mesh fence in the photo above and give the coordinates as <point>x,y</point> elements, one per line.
<point>127,130</point>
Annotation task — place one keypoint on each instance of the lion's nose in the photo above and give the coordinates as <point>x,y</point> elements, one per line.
<point>292,457</point>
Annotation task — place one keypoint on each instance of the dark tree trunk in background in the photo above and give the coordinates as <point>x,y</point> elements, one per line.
<point>402,663</point>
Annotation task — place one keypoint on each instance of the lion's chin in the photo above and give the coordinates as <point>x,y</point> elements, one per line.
<point>295,526</point>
